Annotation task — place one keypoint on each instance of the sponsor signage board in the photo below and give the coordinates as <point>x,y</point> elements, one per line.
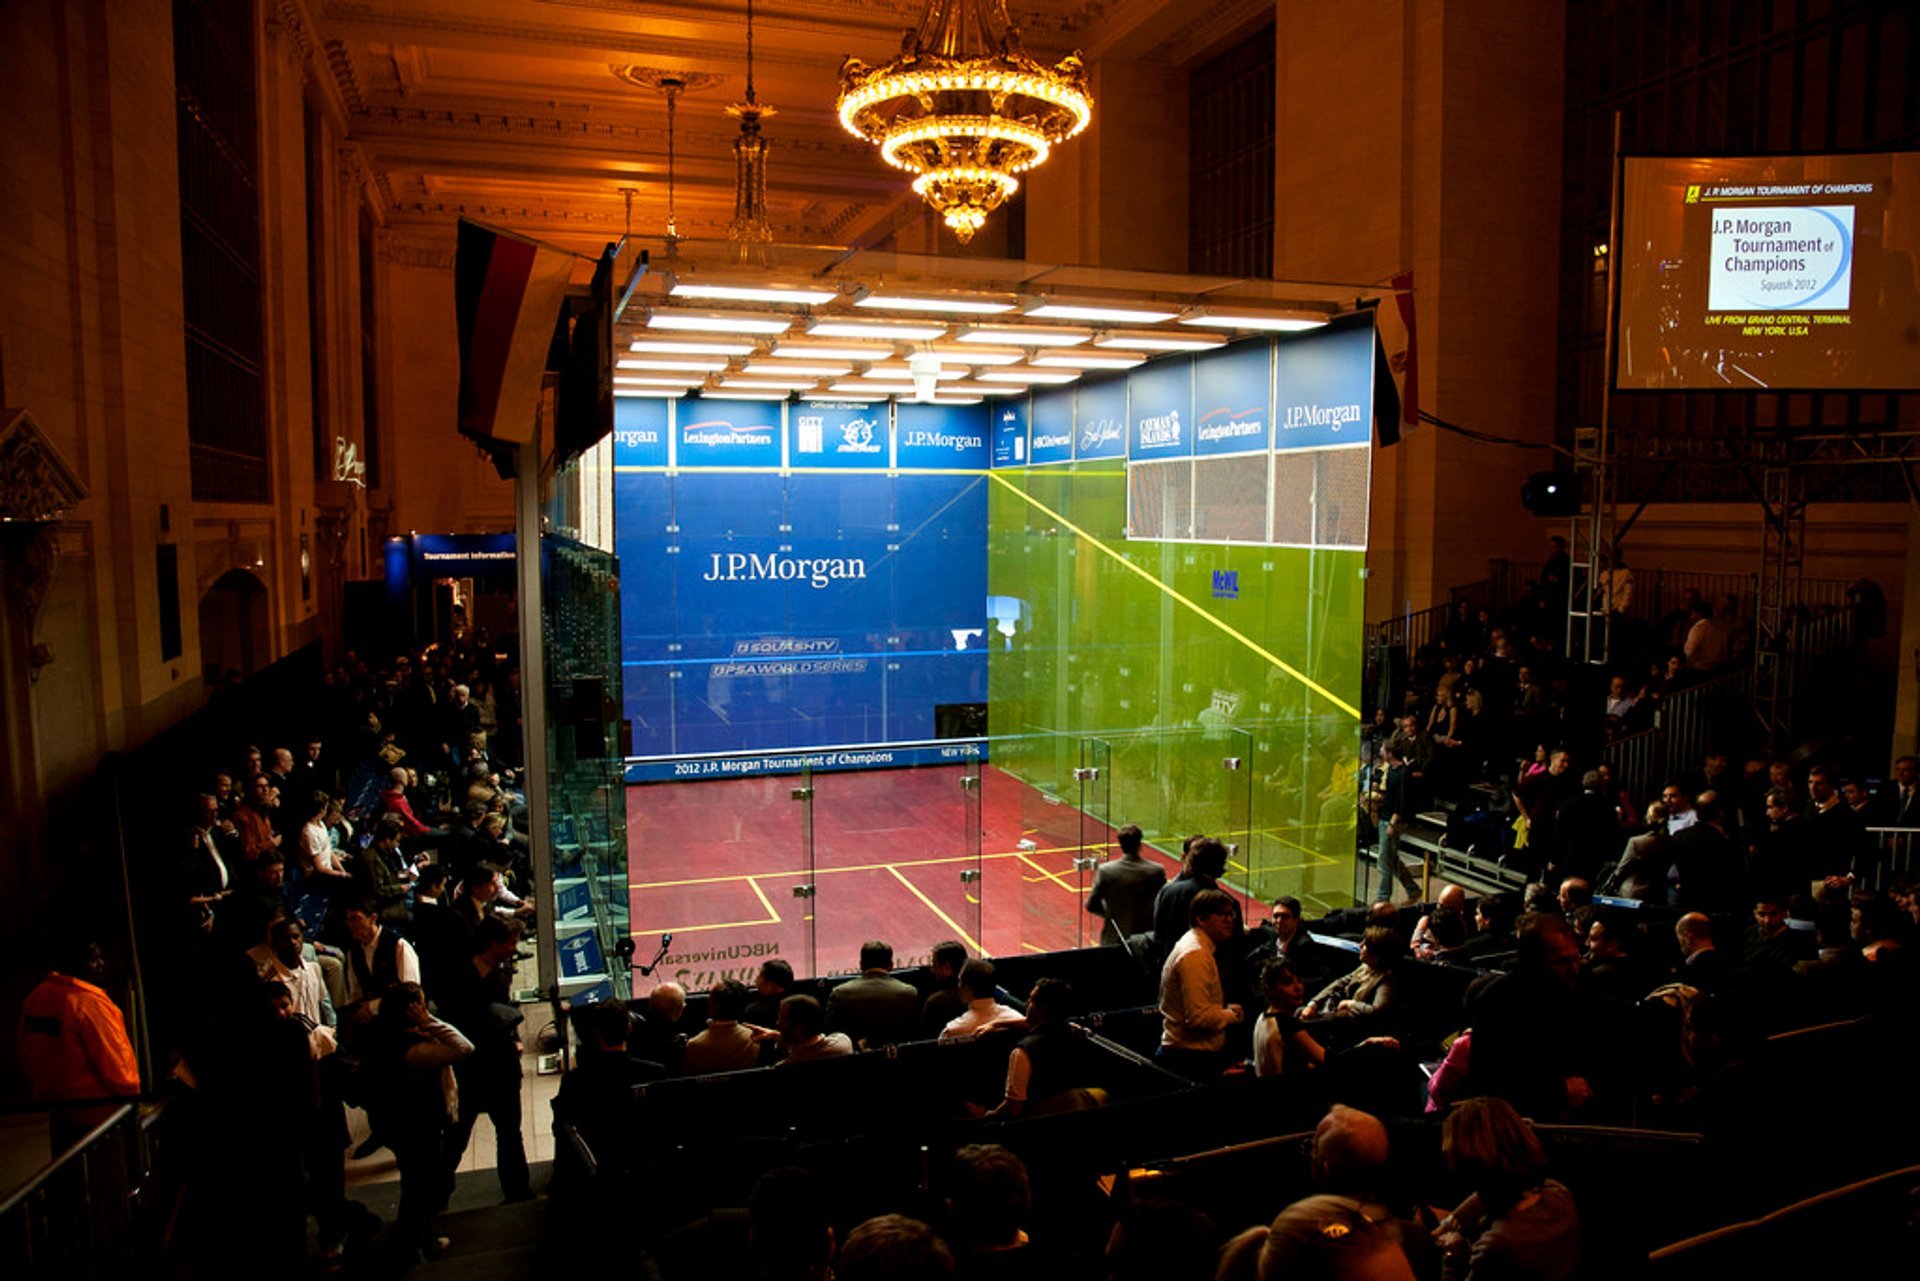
<point>639,432</point>
<point>838,433</point>
<point>1160,396</point>
<point>1233,400</point>
<point>943,436</point>
<point>1052,434</point>
<point>728,433</point>
<point>1009,415</point>
<point>1323,388</point>
<point>1100,419</point>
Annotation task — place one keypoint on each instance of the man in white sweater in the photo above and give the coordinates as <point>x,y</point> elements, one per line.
<point>1193,1012</point>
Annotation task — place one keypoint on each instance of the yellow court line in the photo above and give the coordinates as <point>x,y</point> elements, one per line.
<point>764,900</point>
<point>1051,876</point>
<point>933,907</point>
<point>637,931</point>
<point>823,871</point>
<point>1171,592</point>
<point>1030,947</point>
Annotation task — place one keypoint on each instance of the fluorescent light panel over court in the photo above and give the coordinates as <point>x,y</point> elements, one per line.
<point>673,347</point>
<point>1024,335</point>
<point>1091,360</point>
<point>1224,316</point>
<point>1100,312</point>
<point>793,369</point>
<point>768,384</point>
<point>793,295</point>
<point>1154,340</point>
<point>651,393</point>
<point>953,305</point>
<point>743,395</point>
<point>664,380</point>
<point>1041,376</point>
<point>832,351</point>
<point>885,330</point>
<point>860,387</point>
<point>670,365</point>
<point>718,322</point>
<point>973,354</point>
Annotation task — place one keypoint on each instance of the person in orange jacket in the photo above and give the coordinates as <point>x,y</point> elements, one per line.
<point>74,1043</point>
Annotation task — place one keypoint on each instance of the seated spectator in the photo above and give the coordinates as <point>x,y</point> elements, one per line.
<point>1160,1240</point>
<point>381,872</point>
<point>1280,1043</point>
<point>944,1002</point>
<point>1621,702</point>
<point>1046,1071</point>
<point>1352,1158</point>
<point>892,1247</point>
<point>1641,873</point>
<point>657,1037</point>
<point>1445,927</point>
<point>1576,902</point>
<point>1609,971</point>
<point>983,1010</point>
<point>987,1201</point>
<point>874,1009</point>
<point>1530,1034</point>
<point>597,1096</point>
<point>1516,1222</point>
<point>726,1044</point>
<point>1770,945</point>
<point>803,1032</point>
<point>1709,868</point>
<point>1370,992</point>
<point>1702,965</point>
<point>1322,1238</point>
<point>1492,929</point>
<point>772,985</point>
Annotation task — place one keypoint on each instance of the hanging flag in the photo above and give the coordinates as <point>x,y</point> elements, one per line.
<point>508,292</point>
<point>1397,382</point>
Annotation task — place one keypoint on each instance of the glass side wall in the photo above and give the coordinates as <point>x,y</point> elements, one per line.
<point>722,867</point>
<point>586,786</point>
<point>1180,655</point>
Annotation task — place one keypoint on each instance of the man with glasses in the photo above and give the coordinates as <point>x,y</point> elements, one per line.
<point>1281,937</point>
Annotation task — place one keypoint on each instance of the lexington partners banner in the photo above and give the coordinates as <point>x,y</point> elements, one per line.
<point>728,433</point>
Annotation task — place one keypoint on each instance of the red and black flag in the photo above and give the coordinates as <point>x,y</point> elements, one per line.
<point>508,292</point>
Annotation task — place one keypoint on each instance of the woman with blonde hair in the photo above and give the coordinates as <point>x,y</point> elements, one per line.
<point>1515,1221</point>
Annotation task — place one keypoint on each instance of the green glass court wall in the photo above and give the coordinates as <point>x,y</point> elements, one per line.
<point>1222,678</point>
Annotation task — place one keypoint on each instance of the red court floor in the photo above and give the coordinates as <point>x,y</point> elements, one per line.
<point>716,864</point>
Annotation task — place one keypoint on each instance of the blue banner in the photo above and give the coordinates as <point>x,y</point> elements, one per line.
<point>664,771</point>
<point>1233,399</point>
<point>1323,384</point>
<point>639,432</point>
<point>941,435</point>
<point>462,555</point>
<point>1100,419</point>
<point>839,433</point>
<point>728,433</point>
<point>1052,426</point>
<point>1009,431</point>
<point>1160,397</point>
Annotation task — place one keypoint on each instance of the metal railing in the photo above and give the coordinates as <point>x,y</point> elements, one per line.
<point>1418,627</point>
<point>1896,856</point>
<point>1658,592</point>
<point>96,1210</point>
<point>1689,722</point>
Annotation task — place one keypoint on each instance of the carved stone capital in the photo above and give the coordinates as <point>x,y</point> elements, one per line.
<point>36,484</point>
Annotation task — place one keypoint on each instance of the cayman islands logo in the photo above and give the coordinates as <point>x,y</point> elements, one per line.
<point>856,437</point>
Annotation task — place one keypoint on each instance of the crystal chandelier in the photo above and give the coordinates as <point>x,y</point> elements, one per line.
<point>965,108</point>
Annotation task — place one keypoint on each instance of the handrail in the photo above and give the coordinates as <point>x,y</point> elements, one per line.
<point>1831,1194</point>
<point>74,1149</point>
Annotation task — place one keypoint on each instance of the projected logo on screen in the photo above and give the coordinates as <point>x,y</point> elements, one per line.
<point>1782,259</point>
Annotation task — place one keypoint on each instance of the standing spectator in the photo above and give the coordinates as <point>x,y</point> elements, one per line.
<point>1395,811</point>
<point>481,1006</point>
<point>1900,799</point>
<point>1124,889</point>
<point>408,1065</point>
<point>254,818</point>
<point>74,1044</point>
<point>1195,1016</point>
<point>1641,872</point>
<point>1529,1033</point>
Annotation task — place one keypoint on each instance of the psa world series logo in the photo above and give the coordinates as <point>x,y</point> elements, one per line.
<point>856,435</point>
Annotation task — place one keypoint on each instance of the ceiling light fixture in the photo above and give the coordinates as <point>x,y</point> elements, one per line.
<point>1228,317</point>
<point>957,305</point>
<point>893,330</point>
<point>709,366</point>
<point>1046,310</point>
<point>858,386</point>
<point>786,294</point>
<point>664,380</point>
<point>718,322</point>
<point>971,354</point>
<point>749,230</point>
<point>965,108</point>
<point>1092,360</point>
<point>793,369</point>
<point>1154,340</point>
<point>743,395</point>
<point>1025,335</point>
<point>832,351</point>
<point>1041,376</point>
<point>650,393</point>
<point>672,347</point>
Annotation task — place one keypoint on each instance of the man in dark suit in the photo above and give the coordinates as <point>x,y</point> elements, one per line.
<point>1395,811</point>
<point>876,1008</point>
<point>1281,937</point>
<point>1899,801</point>
<point>1124,889</point>
<point>1586,835</point>
<point>1710,866</point>
<point>1836,836</point>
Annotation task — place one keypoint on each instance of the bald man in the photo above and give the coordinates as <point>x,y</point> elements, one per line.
<point>1451,900</point>
<point>1352,1157</point>
<point>1701,964</point>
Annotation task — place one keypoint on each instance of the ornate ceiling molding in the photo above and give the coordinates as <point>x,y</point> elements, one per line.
<point>656,78</point>
<point>36,484</point>
<point>547,128</point>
